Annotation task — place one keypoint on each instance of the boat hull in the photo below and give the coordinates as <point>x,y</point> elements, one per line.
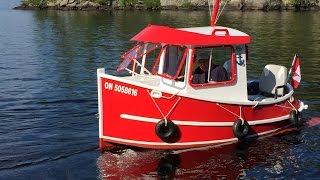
<point>128,115</point>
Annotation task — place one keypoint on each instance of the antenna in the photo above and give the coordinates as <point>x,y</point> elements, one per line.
<point>210,13</point>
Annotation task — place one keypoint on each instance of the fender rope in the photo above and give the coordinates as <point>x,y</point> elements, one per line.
<point>294,108</point>
<point>165,116</point>
<point>239,116</point>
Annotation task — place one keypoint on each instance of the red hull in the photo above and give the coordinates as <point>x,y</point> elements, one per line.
<point>128,116</point>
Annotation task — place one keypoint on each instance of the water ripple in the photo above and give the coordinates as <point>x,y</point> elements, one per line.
<point>48,124</point>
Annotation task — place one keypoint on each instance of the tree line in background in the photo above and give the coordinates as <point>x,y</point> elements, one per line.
<point>157,4</point>
<point>147,4</point>
<point>298,4</point>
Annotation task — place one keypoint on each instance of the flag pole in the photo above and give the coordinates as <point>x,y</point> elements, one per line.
<point>290,71</point>
<point>215,12</point>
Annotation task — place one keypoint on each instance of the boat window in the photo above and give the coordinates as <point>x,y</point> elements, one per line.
<point>212,66</point>
<point>171,62</point>
<point>136,55</point>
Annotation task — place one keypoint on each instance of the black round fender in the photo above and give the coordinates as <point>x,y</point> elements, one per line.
<point>240,130</point>
<point>166,131</point>
<point>295,118</point>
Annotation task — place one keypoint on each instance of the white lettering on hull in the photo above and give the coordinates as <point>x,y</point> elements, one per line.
<point>108,86</point>
<point>121,89</point>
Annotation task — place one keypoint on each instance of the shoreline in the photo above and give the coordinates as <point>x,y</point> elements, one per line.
<point>107,8</point>
<point>230,7</point>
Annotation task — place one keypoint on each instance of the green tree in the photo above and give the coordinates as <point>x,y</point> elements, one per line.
<point>152,4</point>
<point>126,3</point>
<point>306,4</point>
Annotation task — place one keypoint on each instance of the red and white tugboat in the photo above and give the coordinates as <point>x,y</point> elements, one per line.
<point>188,88</point>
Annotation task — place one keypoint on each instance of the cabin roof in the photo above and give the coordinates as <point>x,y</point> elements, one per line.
<point>197,36</point>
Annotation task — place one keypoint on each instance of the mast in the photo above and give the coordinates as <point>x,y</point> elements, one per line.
<point>215,12</point>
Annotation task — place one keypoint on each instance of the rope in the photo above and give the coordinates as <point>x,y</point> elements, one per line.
<point>294,108</point>
<point>283,106</point>
<point>165,116</point>
<point>242,121</point>
<point>257,103</point>
<point>175,104</point>
<point>240,117</point>
<point>221,10</point>
<point>169,97</point>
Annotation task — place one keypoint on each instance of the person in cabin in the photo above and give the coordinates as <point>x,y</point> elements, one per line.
<point>200,75</point>
<point>218,74</point>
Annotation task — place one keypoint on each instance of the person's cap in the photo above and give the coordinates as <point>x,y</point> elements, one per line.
<point>203,56</point>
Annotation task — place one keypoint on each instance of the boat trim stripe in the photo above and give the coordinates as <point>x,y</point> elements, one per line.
<point>183,143</point>
<point>197,123</point>
<point>166,144</point>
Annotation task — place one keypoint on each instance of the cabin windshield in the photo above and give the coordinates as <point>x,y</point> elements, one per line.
<point>170,62</point>
<point>138,55</point>
<point>213,66</point>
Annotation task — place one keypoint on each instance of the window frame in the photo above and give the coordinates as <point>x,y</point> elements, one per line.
<point>127,59</point>
<point>213,84</point>
<point>154,69</point>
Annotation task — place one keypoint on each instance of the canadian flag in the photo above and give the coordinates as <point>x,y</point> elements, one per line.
<point>296,77</point>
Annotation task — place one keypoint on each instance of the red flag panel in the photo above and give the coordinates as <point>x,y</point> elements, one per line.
<point>296,78</point>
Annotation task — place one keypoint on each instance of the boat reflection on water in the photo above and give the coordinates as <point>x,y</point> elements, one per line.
<point>228,161</point>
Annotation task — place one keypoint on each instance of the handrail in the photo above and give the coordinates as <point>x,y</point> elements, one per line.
<point>141,75</point>
<point>145,69</point>
<point>220,30</point>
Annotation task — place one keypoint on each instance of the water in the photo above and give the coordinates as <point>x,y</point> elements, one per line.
<point>48,124</point>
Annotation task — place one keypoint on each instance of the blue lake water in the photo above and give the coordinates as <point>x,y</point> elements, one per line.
<point>48,96</point>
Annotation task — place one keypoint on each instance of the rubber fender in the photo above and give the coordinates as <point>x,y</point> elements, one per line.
<point>295,118</point>
<point>240,130</point>
<point>165,132</point>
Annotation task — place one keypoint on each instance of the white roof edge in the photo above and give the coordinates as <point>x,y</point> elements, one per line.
<point>207,30</point>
